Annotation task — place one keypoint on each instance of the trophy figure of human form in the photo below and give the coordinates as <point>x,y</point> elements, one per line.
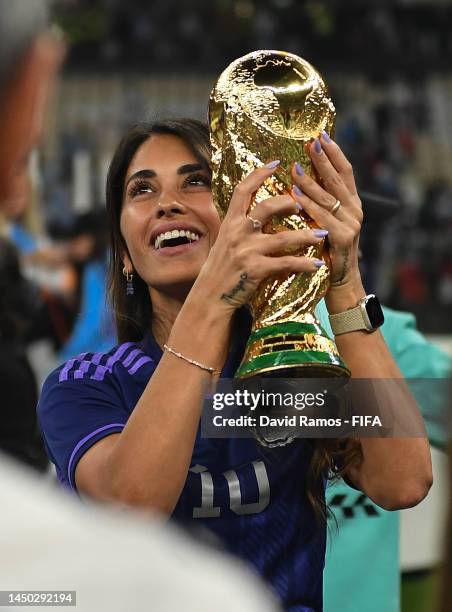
<point>270,105</point>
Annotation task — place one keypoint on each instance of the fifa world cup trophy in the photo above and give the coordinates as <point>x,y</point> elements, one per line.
<point>268,105</point>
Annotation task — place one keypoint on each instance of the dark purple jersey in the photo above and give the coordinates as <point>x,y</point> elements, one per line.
<point>252,498</point>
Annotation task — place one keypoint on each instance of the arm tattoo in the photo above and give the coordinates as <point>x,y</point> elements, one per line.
<point>240,286</point>
<point>342,275</point>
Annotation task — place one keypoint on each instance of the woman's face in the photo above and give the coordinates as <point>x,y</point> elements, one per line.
<point>168,219</point>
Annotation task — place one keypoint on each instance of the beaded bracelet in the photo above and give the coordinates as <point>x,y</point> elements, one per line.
<point>192,361</point>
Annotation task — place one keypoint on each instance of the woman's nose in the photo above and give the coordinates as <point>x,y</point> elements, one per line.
<point>169,208</point>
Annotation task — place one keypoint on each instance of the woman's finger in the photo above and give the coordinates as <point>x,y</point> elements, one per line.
<point>318,194</point>
<point>320,214</point>
<point>278,205</point>
<point>339,162</point>
<point>331,180</point>
<point>333,210</point>
<point>286,264</point>
<point>243,192</point>
<point>267,244</point>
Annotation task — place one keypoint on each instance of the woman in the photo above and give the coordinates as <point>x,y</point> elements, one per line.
<point>123,426</point>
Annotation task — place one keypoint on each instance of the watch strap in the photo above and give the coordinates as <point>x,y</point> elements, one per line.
<point>348,321</point>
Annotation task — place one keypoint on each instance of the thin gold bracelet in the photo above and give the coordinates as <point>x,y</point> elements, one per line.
<point>192,361</point>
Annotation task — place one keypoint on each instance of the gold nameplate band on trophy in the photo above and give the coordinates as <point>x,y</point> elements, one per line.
<point>268,105</point>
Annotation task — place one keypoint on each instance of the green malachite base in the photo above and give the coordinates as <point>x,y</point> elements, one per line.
<point>285,329</point>
<point>310,363</point>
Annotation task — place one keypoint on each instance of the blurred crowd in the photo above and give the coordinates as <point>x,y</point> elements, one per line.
<point>208,34</point>
<point>395,150</point>
<point>52,291</point>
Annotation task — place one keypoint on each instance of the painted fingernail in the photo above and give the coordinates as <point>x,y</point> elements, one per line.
<point>320,233</point>
<point>317,146</point>
<point>298,206</point>
<point>326,137</point>
<point>318,263</point>
<point>297,190</point>
<point>299,170</point>
<point>273,164</point>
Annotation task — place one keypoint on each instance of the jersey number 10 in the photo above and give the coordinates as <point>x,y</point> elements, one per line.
<point>207,509</point>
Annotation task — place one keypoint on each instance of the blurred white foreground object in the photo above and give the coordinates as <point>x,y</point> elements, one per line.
<point>114,561</point>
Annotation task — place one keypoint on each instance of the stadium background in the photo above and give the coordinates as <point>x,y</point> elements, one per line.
<point>388,65</point>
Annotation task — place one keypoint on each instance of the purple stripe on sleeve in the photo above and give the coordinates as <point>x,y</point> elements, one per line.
<point>131,356</point>
<point>118,354</point>
<point>99,373</point>
<point>82,369</point>
<point>117,426</point>
<point>137,365</point>
<point>101,370</point>
<point>79,367</point>
<point>69,364</point>
<point>96,358</point>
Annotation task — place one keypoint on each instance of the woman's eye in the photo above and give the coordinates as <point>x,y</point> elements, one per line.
<point>198,180</point>
<point>139,188</point>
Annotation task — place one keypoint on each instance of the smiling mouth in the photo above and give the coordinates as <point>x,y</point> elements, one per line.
<point>175,238</point>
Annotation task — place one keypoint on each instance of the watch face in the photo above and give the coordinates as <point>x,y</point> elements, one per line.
<point>374,311</point>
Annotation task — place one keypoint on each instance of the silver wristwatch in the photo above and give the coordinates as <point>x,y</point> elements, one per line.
<point>367,315</point>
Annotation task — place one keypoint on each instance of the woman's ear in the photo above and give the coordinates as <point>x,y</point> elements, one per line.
<point>127,262</point>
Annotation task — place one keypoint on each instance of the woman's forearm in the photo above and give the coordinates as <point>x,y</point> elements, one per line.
<point>395,472</point>
<point>149,463</point>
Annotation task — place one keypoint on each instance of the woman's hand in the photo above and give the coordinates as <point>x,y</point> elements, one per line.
<point>242,255</point>
<point>343,223</point>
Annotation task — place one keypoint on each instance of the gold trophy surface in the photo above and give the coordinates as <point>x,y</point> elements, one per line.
<point>268,105</point>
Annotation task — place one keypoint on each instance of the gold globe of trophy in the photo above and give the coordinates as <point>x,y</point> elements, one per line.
<point>268,105</point>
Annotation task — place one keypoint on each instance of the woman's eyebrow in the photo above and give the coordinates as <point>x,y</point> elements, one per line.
<point>187,168</point>
<point>141,174</point>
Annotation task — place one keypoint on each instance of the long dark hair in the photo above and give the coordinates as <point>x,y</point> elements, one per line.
<point>133,315</point>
